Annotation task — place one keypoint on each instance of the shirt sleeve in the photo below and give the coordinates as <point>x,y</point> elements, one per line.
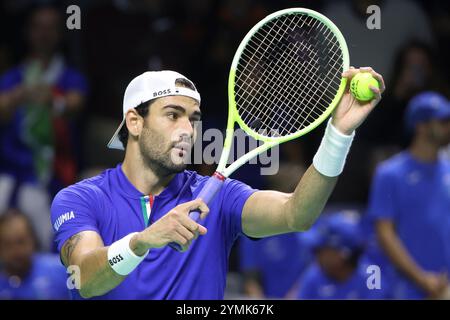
<point>234,196</point>
<point>72,211</point>
<point>382,195</point>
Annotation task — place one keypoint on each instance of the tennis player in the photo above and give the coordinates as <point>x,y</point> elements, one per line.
<point>116,226</point>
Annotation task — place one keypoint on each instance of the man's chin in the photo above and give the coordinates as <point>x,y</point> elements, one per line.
<point>177,168</point>
<point>167,169</point>
<point>178,165</point>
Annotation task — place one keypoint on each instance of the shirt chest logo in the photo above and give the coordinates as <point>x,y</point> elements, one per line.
<point>146,208</point>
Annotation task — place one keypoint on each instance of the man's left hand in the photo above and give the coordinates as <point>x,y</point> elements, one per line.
<point>350,113</point>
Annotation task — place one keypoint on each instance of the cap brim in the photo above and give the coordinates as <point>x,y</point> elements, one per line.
<point>115,142</point>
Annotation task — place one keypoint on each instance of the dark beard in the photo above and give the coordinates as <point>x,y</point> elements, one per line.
<point>162,166</point>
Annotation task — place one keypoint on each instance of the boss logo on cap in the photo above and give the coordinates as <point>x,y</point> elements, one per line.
<point>161,93</point>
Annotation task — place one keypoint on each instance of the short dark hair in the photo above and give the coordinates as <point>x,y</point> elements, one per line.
<point>144,108</point>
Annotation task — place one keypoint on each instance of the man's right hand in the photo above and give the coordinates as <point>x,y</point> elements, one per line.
<point>174,226</point>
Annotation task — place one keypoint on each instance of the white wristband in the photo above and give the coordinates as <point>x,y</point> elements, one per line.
<point>330,157</point>
<point>121,258</point>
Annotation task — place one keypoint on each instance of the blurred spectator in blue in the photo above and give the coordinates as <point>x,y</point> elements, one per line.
<point>38,102</point>
<point>24,274</point>
<point>271,267</point>
<point>410,200</point>
<point>337,272</point>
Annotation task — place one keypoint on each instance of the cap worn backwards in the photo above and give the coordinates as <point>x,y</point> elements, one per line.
<point>148,86</point>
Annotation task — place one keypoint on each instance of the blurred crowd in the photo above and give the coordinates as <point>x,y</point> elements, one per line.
<point>385,233</point>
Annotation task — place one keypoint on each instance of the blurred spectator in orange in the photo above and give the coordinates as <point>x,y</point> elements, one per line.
<point>39,100</point>
<point>25,274</point>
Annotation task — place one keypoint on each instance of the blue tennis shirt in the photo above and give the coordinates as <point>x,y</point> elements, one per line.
<point>111,206</point>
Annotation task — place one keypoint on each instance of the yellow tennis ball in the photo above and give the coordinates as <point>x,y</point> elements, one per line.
<point>359,86</point>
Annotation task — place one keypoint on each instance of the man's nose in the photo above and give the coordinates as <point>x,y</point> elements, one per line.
<point>184,132</point>
<point>187,127</point>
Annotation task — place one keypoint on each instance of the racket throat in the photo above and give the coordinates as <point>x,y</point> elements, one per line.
<point>211,188</point>
<point>219,176</point>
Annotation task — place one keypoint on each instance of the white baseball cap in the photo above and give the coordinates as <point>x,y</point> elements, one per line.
<point>148,86</point>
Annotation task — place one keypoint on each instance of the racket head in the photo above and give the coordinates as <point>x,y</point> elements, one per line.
<point>308,54</point>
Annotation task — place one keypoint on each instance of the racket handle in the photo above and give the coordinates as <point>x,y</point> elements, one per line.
<point>207,194</point>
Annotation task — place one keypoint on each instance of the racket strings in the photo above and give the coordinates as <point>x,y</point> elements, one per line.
<point>283,119</point>
<point>288,74</point>
<point>269,69</point>
<point>285,89</point>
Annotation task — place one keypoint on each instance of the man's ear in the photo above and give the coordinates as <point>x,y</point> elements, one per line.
<point>134,123</point>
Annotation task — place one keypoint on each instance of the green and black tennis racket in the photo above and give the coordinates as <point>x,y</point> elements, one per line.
<point>285,80</point>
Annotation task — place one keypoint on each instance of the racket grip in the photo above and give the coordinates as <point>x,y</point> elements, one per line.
<point>207,194</point>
